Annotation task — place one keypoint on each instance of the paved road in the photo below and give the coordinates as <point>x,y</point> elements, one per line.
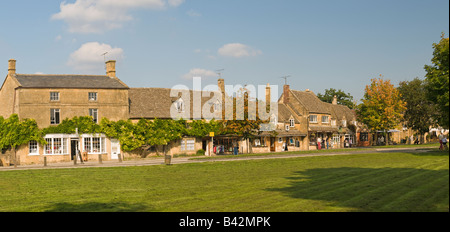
<point>160,161</point>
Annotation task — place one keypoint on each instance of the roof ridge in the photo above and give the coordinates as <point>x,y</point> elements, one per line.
<point>43,74</point>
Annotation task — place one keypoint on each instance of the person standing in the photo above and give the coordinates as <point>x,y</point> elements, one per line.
<point>319,141</point>
<point>440,141</point>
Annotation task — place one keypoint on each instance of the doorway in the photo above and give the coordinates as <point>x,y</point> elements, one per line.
<point>272,144</point>
<point>73,148</point>
<point>115,149</point>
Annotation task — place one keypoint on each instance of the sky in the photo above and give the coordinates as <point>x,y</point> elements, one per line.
<point>319,44</point>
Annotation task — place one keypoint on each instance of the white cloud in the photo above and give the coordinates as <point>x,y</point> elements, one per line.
<point>175,3</point>
<point>238,50</point>
<point>89,58</point>
<point>58,38</point>
<point>98,16</point>
<point>197,72</point>
<point>193,13</point>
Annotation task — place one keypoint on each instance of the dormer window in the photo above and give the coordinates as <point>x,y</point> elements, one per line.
<point>325,119</point>
<point>292,122</point>
<point>313,118</point>
<point>217,106</point>
<point>179,104</point>
<point>344,123</point>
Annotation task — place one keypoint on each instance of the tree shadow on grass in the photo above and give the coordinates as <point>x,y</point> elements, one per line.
<point>99,207</point>
<point>371,190</point>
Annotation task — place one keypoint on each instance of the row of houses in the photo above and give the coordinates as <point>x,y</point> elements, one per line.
<point>301,120</point>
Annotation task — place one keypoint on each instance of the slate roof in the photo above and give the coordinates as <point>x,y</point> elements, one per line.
<point>69,81</point>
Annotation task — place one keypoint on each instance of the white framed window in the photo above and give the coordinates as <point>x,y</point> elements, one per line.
<point>325,119</point>
<point>344,123</point>
<point>56,146</point>
<point>183,145</point>
<point>333,122</point>
<point>292,122</point>
<point>313,118</point>
<point>33,147</point>
<point>92,96</point>
<point>94,114</point>
<point>187,145</point>
<point>55,115</point>
<point>94,144</point>
<point>336,141</point>
<point>287,127</point>
<point>54,96</point>
<point>190,144</point>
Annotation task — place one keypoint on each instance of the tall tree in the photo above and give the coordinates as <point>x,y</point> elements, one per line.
<point>382,107</point>
<point>419,110</point>
<point>343,98</point>
<point>437,79</point>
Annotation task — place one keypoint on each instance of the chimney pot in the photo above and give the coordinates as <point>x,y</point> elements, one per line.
<point>268,93</point>
<point>334,100</point>
<point>111,68</point>
<point>11,66</point>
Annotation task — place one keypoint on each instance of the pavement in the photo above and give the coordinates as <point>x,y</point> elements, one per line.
<point>183,160</point>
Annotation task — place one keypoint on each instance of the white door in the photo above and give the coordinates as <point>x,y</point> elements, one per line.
<point>115,149</point>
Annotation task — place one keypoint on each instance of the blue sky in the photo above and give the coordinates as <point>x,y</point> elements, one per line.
<point>162,43</point>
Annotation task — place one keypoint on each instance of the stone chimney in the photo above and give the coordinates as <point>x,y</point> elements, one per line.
<point>111,68</point>
<point>268,95</point>
<point>334,100</point>
<point>286,91</point>
<point>221,84</point>
<point>11,67</point>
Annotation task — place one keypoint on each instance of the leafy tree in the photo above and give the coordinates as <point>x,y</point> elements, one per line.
<point>200,128</point>
<point>381,107</point>
<point>15,132</point>
<point>129,135</point>
<point>342,98</point>
<point>85,124</point>
<point>437,80</point>
<point>419,110</point>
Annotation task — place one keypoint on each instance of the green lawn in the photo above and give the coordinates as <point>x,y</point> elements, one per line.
<point>362,182</point>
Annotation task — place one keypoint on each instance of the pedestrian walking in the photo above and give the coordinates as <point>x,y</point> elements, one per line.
<point>444,143</point>
<point>440,141</point>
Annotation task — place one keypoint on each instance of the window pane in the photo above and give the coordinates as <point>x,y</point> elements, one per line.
<point>94,114</point>
<point>92,96</point>
<point>48,146</point>
<point>103,145</point>
<point>33,149</point>
<point>87,144</point>
<point>57,146</point>
<point>96,145</point>
<point>54,96</point>
<point>190,144</point>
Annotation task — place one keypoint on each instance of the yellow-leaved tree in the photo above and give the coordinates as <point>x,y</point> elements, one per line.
<point>381,108</point>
